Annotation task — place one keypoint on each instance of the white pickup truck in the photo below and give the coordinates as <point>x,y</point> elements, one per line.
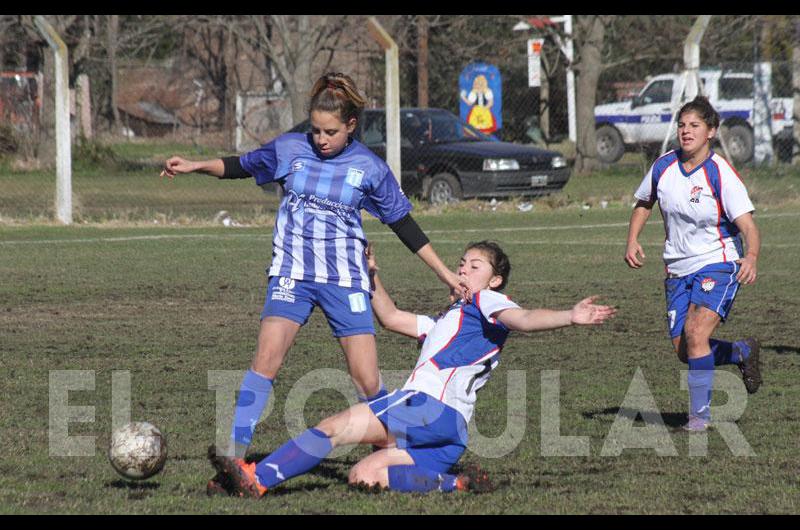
<point>644,120</point>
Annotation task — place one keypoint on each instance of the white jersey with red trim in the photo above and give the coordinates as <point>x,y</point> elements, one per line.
<point>460,348</point>
<point>698,209</point>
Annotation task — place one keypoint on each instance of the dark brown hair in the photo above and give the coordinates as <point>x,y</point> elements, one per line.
<point>336,93</point>
<point>497,259</point>
<point>703,108</point>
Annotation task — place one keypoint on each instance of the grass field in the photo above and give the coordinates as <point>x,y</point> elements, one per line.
<point>171,303</point>
<point>147,282</point>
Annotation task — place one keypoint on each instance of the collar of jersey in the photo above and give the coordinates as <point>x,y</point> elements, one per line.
<point>701,164</point>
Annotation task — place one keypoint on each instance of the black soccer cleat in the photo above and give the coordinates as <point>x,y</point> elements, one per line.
<point>751,367</point>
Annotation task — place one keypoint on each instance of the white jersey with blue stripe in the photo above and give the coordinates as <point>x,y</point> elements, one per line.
<point>698,209</point>
<point>318,234</point>
<point>460,348</point>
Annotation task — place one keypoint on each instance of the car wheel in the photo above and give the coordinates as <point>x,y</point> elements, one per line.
<point>739,141</point>
<point>444,188</point>
<point>610,146</point>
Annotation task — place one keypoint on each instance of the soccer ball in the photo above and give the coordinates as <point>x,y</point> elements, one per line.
<point>138,450</point>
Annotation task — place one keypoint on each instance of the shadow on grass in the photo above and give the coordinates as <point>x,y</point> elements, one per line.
<point>670,419</point>
<point>132,485</point>
<point>136,490</point>
<point>784,350</point>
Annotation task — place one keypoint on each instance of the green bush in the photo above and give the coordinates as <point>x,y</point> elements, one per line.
<point>9,143</point>
<point>91,153</point>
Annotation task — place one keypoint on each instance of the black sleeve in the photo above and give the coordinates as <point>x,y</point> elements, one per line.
<point>233,168</point>
<point>410,233</point>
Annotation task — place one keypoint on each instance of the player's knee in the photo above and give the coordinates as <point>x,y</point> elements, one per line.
<point>362,474</point>
<point>368,385</point>
<point>329,427</point>
<point>696,333</point>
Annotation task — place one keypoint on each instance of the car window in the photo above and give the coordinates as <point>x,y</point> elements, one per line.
<point>735,88</point>
<point>373,132</point>
<point>658,92</point>
<point>443,127</point>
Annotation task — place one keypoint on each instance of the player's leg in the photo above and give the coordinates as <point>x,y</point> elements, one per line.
<point>713,290</point>
<point>286,309</point>
<point>717,291</point>
<point>300,455</point>
<point>362,362</point>
<point>397,470</point>
<point>677,292</point>
<point>349,315</point>
<point>700,324</point>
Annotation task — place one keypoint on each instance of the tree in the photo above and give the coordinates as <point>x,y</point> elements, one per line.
<point>292,47</point>
<point>588,66</point>
<point>212,43</point>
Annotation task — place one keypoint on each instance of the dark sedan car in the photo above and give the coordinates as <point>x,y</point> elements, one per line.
<point>444,159</point>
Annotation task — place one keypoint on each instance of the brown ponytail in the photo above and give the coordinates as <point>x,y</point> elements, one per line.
<point>337,93</point>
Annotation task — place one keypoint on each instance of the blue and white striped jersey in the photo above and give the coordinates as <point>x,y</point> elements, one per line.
<point>318,234</point>
<point>460,348</point>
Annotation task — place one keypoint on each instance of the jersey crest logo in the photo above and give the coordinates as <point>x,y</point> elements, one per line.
<point>293,200</point>
<point>286,283</point>
<point>707,284</point>
<point>354,176</point>
<point>298,166</point>
<point>695,194</point>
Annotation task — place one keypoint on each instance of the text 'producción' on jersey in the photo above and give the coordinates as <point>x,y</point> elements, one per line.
<point>699,209</point>
<point>318,234</point>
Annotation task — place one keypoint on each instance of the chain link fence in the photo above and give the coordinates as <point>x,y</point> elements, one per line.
<point>487,138</point>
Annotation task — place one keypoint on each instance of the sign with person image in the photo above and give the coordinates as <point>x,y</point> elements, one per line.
<point>481,102</point>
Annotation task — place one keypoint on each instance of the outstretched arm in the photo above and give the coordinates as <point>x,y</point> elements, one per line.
<point>417,242</point>
<point>176,165</point>
<point>387,313</point>
<point>584,313</point>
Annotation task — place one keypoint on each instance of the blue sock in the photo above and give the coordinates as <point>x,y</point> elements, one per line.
<point>253,395</point>
<point>415,478</point>
<point>293,458</point>
<point>741,351</point>
<point>701,381</point>
<point>729,352</point>
<point>379,394</point>
<point>722,352</point>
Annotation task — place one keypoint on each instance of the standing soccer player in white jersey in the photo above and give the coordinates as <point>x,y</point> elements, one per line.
<point>423,426</point>
<point>318,242</point>
<point>706,210</point>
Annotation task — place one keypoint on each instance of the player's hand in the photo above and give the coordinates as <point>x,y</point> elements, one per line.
<point>176,165</point>
<point>458,289</point>
<point>632,255</point>
<point>587,313</point>
<point>748,271</point>
<point>372,264</point>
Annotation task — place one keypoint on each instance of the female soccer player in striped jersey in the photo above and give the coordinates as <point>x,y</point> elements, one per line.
<point>318,241</point>
<point>706,209</point>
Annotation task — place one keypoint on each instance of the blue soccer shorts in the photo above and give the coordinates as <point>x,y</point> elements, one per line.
<point>347,310</point>
<point>714,287</point>
<point>431,432</point>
